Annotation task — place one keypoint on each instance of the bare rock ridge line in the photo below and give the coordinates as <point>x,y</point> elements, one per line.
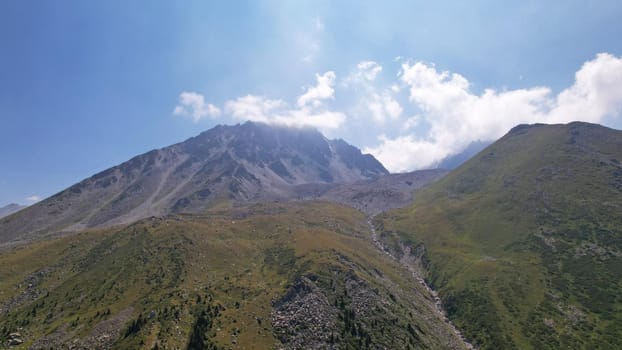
<point>244,162</point>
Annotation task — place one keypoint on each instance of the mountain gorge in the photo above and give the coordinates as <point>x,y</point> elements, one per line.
<point>258,237</point>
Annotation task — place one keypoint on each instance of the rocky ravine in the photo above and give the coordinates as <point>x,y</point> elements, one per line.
<point>354,308</point>
<point>411,259</point>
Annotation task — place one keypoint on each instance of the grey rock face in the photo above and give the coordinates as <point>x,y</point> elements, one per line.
<point>382,193</point>
<point>236,163</point>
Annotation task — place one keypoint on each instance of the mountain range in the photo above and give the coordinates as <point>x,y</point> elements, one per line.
<point>248,162</point>
<point>258,236</point>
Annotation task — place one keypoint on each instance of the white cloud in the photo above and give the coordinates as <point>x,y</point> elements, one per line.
<point>323,90</point>
<point>429,113</point>
<point>377,102</point>
<point>309,111</point>
<point>193,104</point>
<point>383,107</point>
<point>412,122</point>
<point>33,199</point>
<point>596,93</point>
<point>456,116</point>
<point>369,70</point>
<point>365,73</point>
<point>260,109</point>
<point>396,154</point>
<point>254,108</point>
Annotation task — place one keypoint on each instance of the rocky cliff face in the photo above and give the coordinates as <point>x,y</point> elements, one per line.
<point>239,163</point>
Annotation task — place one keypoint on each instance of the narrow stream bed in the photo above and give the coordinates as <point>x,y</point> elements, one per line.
<point>418,276</point>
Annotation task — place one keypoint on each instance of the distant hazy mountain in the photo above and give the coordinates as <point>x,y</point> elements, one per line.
<point>383,193</point>
<point>524,241</point>
<point>251,161</point>
<point>10,209</point>
<point>455,160</point>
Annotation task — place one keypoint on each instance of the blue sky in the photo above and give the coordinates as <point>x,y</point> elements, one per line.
<point>87,85</point>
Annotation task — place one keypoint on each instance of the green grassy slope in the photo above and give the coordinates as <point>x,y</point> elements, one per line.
<point>214,282</point>
<point>524,241</point>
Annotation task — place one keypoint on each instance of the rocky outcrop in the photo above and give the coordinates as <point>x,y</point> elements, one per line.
<point>382,193</point>
<point>304,318</point>
<point>29,291</point>
<point>342,310</point>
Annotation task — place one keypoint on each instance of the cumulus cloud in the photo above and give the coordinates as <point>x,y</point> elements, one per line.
<point>310,110</point>
<point>456,116</point>
<point>193,105</point>
<point>261,109</point>
<point>424,114</point>
<point>33,199</point>
<point>377,102</point>
<point>383,107</point>
<point>323,90</point>
<point>254,108</point>
<point>596,93</point>
<point>368,70</point>
<point>396,154</point>
<point>412,122</point>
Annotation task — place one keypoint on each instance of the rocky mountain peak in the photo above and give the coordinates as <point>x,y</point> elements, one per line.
<point>250,161</point>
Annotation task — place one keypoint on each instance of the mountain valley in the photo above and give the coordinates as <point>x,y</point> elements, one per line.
<point>261,237</point>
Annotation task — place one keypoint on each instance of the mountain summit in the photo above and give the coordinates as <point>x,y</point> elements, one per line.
<point>249,161</point>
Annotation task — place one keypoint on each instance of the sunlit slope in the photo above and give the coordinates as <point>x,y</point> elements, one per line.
<point>250,161</point>
<point>291,275</point>
<point>524,241</point>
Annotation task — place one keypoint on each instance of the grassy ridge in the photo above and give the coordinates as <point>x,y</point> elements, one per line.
<point>525,239</point>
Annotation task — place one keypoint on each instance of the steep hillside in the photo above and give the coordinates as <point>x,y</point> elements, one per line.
<point>243,162</point>
<point>524,241</point>
<point>288,276</point>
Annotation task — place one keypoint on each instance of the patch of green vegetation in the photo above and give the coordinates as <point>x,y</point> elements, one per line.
<point>206,281</point>
<point>525,239</point>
